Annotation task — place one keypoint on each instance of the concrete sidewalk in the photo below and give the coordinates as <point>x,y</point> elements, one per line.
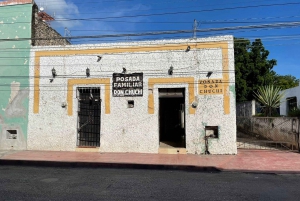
<point>260,161</point>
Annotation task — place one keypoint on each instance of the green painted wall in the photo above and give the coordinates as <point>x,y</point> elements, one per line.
<point>15,23</point>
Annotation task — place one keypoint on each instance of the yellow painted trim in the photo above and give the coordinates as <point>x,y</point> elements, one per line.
<point>86,149</point>
<point>225,79</point>
<point>164,47</point>
<point>149,48</point>
<point>72,82</point>
<point>36,98</point>
<point>150,101</point>
<point>225,61</point>
<point>178,80</point>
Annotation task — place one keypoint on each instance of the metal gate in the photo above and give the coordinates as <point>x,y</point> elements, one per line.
<point>279,133</point>
<point>89,112</point>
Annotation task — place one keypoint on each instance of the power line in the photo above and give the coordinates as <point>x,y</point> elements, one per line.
<point>143,39</point>
<point>290,24</point>
<point>176,13</point>
<point>126,44</point>
<point>167,8</point>
<point>108,75</point>
<point>40,49</point>
<point>182,12</point>
<point>24,57</point>
<point>183,22</point>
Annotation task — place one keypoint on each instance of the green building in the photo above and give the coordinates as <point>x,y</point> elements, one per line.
<point>19,24</point>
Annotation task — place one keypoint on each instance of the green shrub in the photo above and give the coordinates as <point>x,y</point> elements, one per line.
<point>295,112</point>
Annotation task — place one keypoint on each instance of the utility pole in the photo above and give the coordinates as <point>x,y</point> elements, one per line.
<point>195,28</point>
<point>67,33</point>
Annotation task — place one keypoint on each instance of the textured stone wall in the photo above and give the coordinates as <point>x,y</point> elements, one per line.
<point>123,129</point>
<point>43,34</point>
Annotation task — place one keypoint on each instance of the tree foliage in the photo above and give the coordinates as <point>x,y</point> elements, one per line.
<point>286,81</point>
<point>252,67</point>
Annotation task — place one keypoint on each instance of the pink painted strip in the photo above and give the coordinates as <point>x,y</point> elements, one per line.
<point>15,2</point>
<point>245,160</point>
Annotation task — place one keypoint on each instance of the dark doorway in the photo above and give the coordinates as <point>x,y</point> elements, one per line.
<point>89,110</point>
<point>172,117</point>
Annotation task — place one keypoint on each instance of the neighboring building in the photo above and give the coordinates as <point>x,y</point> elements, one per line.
<point>147,97</point>
<point>43,33</point>
<point>248,108</point>
<point>18,24</point>
<point>290,100</point>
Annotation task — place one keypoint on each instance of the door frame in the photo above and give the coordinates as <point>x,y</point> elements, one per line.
<point>184,89</point>
<point>97,98</point>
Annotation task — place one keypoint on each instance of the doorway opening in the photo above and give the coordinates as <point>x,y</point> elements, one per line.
<point>172,118</point>
<point>89,112</point>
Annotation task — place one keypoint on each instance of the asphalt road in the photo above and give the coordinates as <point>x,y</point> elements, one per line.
<point>45,183</point>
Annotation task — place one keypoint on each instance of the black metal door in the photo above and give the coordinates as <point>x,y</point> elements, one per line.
<point>89,112</point>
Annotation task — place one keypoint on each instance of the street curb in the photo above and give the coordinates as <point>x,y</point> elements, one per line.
<point>75,164</point>
<point>260,171</point>
<point>107,165</point>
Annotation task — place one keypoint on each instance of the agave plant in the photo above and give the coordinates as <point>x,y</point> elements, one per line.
<point>270,97</point>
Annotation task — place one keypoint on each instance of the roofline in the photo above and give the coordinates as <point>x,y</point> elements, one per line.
<point>16,2</point>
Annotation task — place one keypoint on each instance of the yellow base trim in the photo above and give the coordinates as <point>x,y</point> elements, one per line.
<point>87,149</point>
<point>72,82</point>
<point>172,150</point>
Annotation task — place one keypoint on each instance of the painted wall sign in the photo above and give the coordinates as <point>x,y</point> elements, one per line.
<point>127,84</point>
<point>211,86</point>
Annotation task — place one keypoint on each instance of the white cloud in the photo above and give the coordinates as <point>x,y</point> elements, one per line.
<point>118,11</point>
<point>66,9</point>
<point>60,9</point>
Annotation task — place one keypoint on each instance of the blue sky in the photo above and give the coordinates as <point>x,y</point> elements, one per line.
<point>124,16</point>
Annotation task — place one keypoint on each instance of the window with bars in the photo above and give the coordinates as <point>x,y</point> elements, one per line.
<point>291,103</point>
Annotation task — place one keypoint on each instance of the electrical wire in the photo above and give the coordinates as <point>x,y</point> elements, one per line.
<point>111,59</point>
<point>176,13</point>
<point>291,24</point>
<point>143,39</point>
<point>166,8</point>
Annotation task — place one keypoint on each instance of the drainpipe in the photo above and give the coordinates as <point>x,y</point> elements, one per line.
<point>206,143</point>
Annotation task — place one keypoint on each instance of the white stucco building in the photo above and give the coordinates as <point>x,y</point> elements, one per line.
<point>148,97</point>
<point>290,100</point>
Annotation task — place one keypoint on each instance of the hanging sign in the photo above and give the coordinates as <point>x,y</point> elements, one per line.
<point>210,86</point>
<point>127,84</point>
